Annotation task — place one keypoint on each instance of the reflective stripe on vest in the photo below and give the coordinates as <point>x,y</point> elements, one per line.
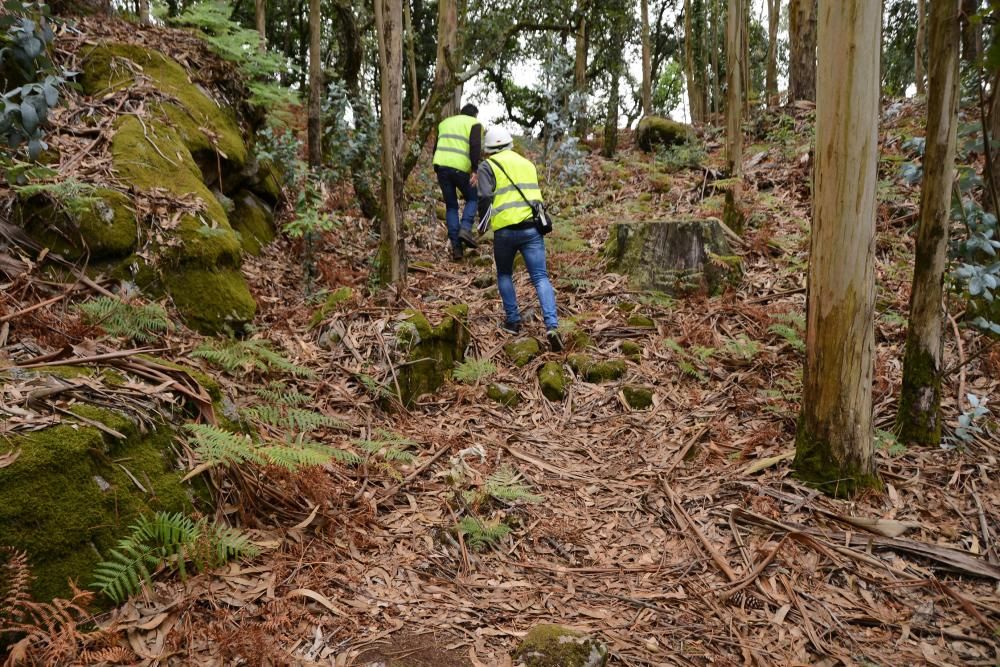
<point>453,142</point>
<point>509,207</point>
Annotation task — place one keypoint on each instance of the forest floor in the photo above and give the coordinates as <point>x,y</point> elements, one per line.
<point>676,533</point>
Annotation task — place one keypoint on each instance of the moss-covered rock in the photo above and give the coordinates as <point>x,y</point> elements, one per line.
<point>676,257</point>
<point>484,280</point>
<point>211,300</point>
<point>522,351</point>
<point>549,645</point>
<point>268,181</point>
<point>254,221</point>
<point>99,224</point>
<point>597,371</point>
<point>432,351</point>
<point>641,321</point>
<point>654,131</point>
<point>333,301</point>
<point>637,396</point>
<point>67,498</point>
<point>660,182</point>
<point>209,131</point>
<point>553,381</point>
<point>631,350</point>
<point>503,394</point>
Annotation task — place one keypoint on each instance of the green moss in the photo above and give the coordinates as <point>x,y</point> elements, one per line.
<point>522,351</point>
<point>641,321</point>
<point>504,394</point>
<point>654,131</point>
<point>918,420</point>
<point>201,123</point>
<point>269,182</point>
<point>432,351</point>
<point>553,381</point>
<point>815,464</point>
<point>484,280</point>
<point>597,371</point>
<point>211,301</point>
<point>638,397</point>
<point>557,646</point>
<point>631,349</point>
<point>337,297</point>
<point>660,182</point>
<point>100,224</point>
<point>253,220</point>
<point>52,504</point>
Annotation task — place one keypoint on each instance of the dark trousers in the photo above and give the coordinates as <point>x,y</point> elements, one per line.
<point>453,181</point>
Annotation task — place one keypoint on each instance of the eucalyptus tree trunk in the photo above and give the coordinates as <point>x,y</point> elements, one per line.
<point>580,76</point>
<point>693,64</point>
<point>972,32</point>
<point>391,261</point>
<point>411,60</point>
<point>260,16</point>
<point>919,417</point>
<point>315,124</point>
<point>834,446</point>
<point>773,16</point>
<point>611,120</point>
<point>733,213</point>
<point>447,44</point>
<point>802,49</point>
<point>714,51</point>
<point>144,12</point>
<point>647,83</point>
<point>918,55</point>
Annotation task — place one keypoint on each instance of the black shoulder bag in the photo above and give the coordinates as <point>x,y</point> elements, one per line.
<point>541,218</point>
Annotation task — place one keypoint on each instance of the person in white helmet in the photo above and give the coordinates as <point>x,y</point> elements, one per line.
<point>508,186</point>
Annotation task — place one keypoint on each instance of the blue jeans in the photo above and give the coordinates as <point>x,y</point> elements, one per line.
<point>453,181</point>
<point>506,244</point>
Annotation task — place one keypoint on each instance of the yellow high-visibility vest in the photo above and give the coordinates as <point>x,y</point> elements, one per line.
<point>453,142</point>
<point>509,207</point>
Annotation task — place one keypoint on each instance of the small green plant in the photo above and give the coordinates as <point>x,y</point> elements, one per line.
<point>790,327</point>
<point>140,322</point>
<point>279,393</point>
<point>967,422</point>
<point>682,156</point>
<point>505,485</point>
<point>217,446</point>
<point>889,443</point>
<point>686,360</point>
<point>741,348</point>
<point>471,371</point>
<point>389,446</point>
<point>167,541</point>
<point>291,418</point>
<point>479,535</point>
<point>241,357</point>
<point>657,299</point>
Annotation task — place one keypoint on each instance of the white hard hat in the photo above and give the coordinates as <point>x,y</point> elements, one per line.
<point>497,139</point>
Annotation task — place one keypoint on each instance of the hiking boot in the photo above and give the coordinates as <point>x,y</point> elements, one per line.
<point>513,328</point>
<point>555,340</point>
<point>457,252</point>
<point>466,237</point>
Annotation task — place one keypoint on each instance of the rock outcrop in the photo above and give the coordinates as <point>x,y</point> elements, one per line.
<point>654,131</point>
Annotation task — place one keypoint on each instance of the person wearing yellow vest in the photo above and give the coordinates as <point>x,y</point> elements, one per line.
<point>508,184</point>
<point>456,159</point>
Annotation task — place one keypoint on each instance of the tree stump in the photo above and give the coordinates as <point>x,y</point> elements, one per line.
<point>678,257</point>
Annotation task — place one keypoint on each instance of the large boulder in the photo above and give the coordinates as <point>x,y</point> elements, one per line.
<point>94,223</point>
<point>655,131</point>
<point>677,257</point>
<point>548,645</point>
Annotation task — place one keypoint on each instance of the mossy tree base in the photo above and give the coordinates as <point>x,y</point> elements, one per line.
<point>919,418</point>
<point>432,351</point>
<point>677,257</point>
<point>817,465</point>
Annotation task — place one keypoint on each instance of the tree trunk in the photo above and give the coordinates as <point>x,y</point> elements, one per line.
<point>834,447</point>
<point>994,129</point>
<point>802,50</point>
<point>716,74</point>
<point>692,63</point>
<point>411,61</point>
<point>918,55</point>
<point>611,121</point>
<point>972,32</point>
<point>260,15</point>
<point>144,12</point>
<point>447,42</point>
<point>391,261</point>
<point>315,125</point>
<point>919,417</point>
<point>580,77</point>
<point>733,213</point>
<point>647,83</point>
<point>773,16</point>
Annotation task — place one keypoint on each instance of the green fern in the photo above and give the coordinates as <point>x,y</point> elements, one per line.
<point>293,454</point>
<point>217,446</point>
<point>278,392</point>
<point>507,484</point>
<point>474,370</point>
<point>166,540</point>
<point>142,323</point>
<point>792,319</point>
<point>741,348</point>
<point>375,388</point>
<point>389,446</point>
<point>292,419</point>
<point>479,535</point>
<point>790,335</point>
<point>239,357</point>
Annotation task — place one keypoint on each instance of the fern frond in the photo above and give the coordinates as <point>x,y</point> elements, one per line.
<point>215,445</point>
<point>264,352</point>
<point>479,534</point>
<point>278,392</point>
<point>507,485</point>
<point>293,455</point>
<point>292,419</point>
<point>239,357</point>
<point>389,446</point>
<point>15,578</point>
<point>474,370</point>
<point>142,323</point>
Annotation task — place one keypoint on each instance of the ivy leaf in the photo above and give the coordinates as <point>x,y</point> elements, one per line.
<point>29,117</point>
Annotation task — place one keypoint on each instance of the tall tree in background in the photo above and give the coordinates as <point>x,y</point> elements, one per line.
<point>773,16</point>
<point>392,249</point>
<point>647,82</point>
<point>972,32</point>
<point>411,60</point>
<point>715,7</point>
<point>735,27</point>
<point>447,46</point>
<point>834,445</point>
<point>694,60</point>
<point>580,75</point>
<point>144,12</point>
<point>260,20</point>
<point>919,418</point>
<point>802,49</point>
<point>315,123</point>
<point>918,53</point>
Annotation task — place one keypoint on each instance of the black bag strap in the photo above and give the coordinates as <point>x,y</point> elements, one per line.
<point>519,191</point>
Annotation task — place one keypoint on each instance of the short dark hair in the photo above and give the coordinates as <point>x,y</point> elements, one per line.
<point>470,110</point>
